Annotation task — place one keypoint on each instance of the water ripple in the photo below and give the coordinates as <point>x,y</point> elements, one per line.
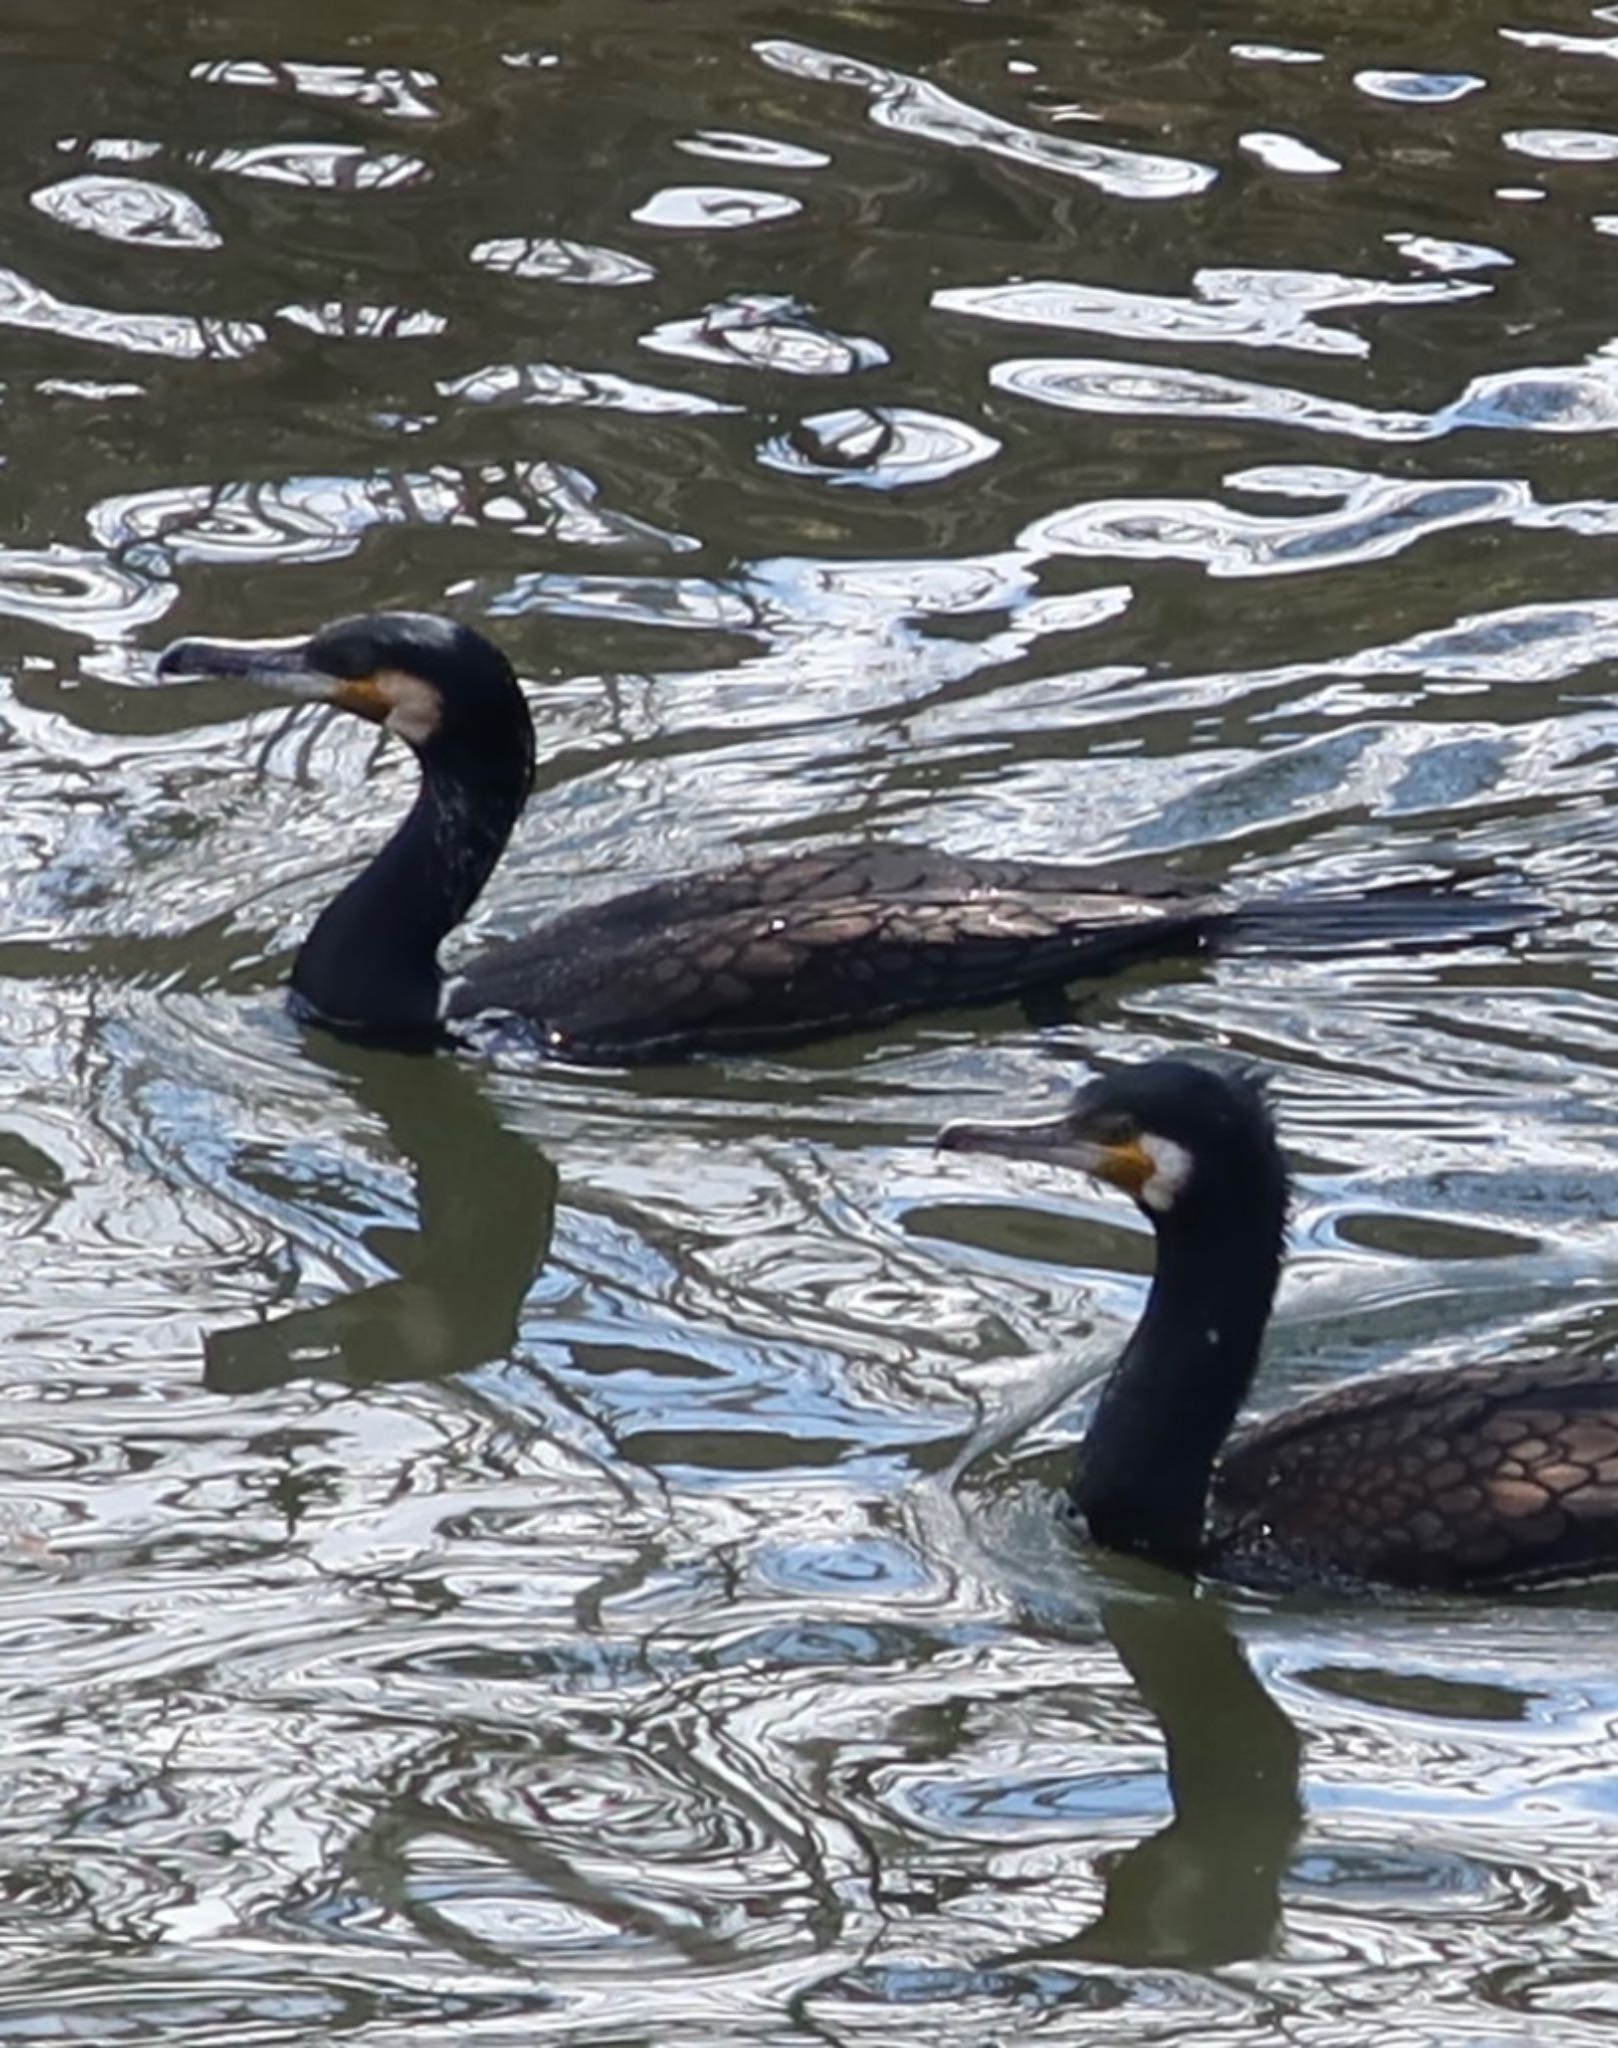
<point>704,208</point>
<point>340,321</point>
<point>768,150</point>
<point>1420,88</point>
<point>325,517</point>
<point>80,592</point>
<point>26,304</point>
<point>318,166</point>
<point>1375,520</point>
<point>594,1850</point>
<point>1561,40</point>
<point>1439,252</point>
<point>560,261</point>
<point>760,331</point>
<point>1253,309</point>
<point>1142,316</point>
<point>1576,399</point>
<point>882,448</point>
<point>132,210</point>
<point>548,384</point>
<point>403,93</point>
<point>1078,384</point>
<point>1563,145</point>
<point>913,106</point>
<point>1275,53</point>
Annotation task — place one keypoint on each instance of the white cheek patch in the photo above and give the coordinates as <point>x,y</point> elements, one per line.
<point>417,710</point>
<point>1171,1169</point>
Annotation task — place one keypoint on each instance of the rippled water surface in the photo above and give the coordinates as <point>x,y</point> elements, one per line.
<point>496,1555</point>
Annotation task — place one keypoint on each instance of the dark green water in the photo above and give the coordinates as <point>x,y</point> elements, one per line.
<point>499,1556</point>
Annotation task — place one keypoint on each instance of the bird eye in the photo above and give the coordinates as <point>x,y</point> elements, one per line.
<point>1112,1127</point>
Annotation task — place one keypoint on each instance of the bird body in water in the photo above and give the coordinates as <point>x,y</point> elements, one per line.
<point>773,951</point>
<point>1444,1478</point>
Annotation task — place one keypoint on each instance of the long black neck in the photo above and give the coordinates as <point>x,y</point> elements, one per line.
<point>369,967</point>
<point>1145,1465</point>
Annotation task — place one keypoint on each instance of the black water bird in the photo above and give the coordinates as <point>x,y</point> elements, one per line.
<point>1447,1478</point>
<point>772,951</point>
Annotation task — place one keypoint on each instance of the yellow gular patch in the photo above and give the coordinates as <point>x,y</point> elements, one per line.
<point>362,697</point>
<point>403,703</point>
<point>1125,1166</point>
<point>1152,1169</point>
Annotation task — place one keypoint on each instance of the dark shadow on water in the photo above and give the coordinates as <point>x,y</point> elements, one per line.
<point>486,1204</point>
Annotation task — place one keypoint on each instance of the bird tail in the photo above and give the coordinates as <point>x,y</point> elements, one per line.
<point>1432,913</point>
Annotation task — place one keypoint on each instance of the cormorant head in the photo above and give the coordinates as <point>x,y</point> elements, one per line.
<point>437,684</point>
<point>1177,1137</point>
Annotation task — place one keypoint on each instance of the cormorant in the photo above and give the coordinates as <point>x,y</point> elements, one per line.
<point>771,951</point>
<point>1448,1478</point>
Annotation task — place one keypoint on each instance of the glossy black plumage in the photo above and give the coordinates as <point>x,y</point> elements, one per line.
<point>769,952</point>
<point>1487,1474</point>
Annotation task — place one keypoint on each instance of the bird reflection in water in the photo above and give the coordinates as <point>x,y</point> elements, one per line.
<point>486,1204</point>
<point>1201,1892</point>
<point>1205,1889</point>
